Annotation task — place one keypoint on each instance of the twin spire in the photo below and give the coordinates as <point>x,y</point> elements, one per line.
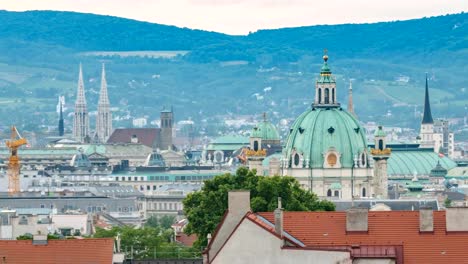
<point>81,131</point>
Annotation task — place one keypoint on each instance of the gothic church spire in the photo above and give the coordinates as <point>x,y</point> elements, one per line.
<point>104,117</point>
<point>427,116</point>
<point>81,118</point>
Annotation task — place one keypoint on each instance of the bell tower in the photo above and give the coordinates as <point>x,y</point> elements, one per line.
<point>427,124</point>
<point>167,121</point>
<point>325,87</point>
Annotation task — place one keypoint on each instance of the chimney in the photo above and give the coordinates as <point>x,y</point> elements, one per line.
<point>426,219</point>
<point>239,202</point>
<point>356,220</point>
<point>455,218</point>
<point>279,219</point>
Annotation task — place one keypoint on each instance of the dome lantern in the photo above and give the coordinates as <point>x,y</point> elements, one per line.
<point>325,87</point>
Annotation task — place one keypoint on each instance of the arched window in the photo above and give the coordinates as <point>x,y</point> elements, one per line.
<point>329,193</point>
<point>333,96</point>
<point>380,144</point>
<point>337,193</point>
<point>255,145</point>
<point>363,192</point>
<point>320,95</point>
<point>327,96</point>
<point>296,159</point>
<point>331,159</point>
<point>363,159</point>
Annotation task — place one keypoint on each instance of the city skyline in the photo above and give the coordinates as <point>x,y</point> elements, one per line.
<point>223,16</point>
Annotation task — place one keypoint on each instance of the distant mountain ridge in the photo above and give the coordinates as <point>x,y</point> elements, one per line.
<point>86,32</point>
<point>40,51</point>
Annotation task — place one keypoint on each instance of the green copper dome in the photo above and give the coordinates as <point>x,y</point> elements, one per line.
<point>320,130</point>
<point>265,130</point>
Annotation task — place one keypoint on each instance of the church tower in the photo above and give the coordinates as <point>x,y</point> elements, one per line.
<point>81,118</point>
<point>167,121</point>
<point>61,128</point>
<point>427,124</point>
<point>380,154</point>
<point>104,116</point>
<point>325,87</point>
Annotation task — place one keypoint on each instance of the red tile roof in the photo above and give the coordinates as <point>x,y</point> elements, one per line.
<point>186,240</point>
<point>146,136</point>
<point>93,250</point>
<point>390,228</point>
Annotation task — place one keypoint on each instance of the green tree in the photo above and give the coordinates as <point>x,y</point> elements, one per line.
<point>147,242</point>
<point>447,202</point>
<point>164,221</point>
<point>205,208</point>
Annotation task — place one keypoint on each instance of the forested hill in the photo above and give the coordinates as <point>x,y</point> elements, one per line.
<point>268,70</point>
<point>86,32</point>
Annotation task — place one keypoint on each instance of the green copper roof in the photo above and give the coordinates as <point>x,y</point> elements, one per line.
<point>266,131</point>
<point>316,131</point>
<point>416,162</point>
<point>325,72</point>
<point>379,132</point>
<point>228,143</point>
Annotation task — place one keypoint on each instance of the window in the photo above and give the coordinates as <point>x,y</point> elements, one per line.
<point>331,159</point>
<point>329,193</point>
<point>320,95</point>
<point>337,193</point>
<point>154,187</point>
<point>296,159</point>
<point>363,159</point>
<point>148,187</point>
<point>363,192</point>
<point>380,144</point>
<point>42,205</point>
<point>255,145</point>
<point>23,220</point>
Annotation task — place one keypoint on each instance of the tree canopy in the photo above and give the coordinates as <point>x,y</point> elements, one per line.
<point>147,242</point>
<point>205,208</point>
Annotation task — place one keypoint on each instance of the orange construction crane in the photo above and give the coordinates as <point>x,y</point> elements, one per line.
<point>13,144</point>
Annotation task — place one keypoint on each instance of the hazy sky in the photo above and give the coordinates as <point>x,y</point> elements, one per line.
<point>242,16</point>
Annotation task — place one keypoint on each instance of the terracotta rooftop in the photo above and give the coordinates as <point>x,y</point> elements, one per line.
<point>186,240</point>
<point>99,250</point>
<point>146,136</point>
<point>389,228</point>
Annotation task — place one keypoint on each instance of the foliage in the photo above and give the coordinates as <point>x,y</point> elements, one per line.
<point>147,242</point>
<point>204,209</point>
<point>164,222</point>
<point>447,202</point>
<point>26,236</point>
<point>287,60</point>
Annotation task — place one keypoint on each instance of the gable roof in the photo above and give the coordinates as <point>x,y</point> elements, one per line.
<point>389,228</point>
<point>90,250</point>
<point>146,136</point>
